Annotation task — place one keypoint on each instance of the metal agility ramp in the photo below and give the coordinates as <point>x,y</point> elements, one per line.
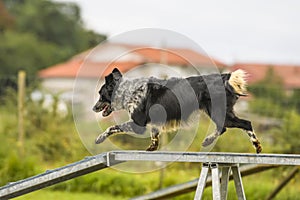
<point>220,165</point>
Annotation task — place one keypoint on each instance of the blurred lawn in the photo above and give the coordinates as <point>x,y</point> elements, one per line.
<point>60,195</point>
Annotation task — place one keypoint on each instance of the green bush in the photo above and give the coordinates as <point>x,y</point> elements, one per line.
<point>48,134</point>
<point>267,107</point>
<point>15,168</point>
<point>287,136</point>
<point>109,182</point>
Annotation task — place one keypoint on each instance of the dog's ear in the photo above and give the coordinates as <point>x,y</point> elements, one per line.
<point>109,78</point>
<point>116,74</point>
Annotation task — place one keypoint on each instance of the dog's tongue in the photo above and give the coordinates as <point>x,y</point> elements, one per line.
<point>104,113</point>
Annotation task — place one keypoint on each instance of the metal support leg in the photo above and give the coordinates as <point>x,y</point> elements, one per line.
<point>238,182</point>
<point>220,189</point>
<point>215,182</point>
<point>224,181</point>
<point>202,181</point>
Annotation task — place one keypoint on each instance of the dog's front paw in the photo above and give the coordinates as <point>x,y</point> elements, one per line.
<point>152,147</point>
<point>257,146</point>
<point>101,138</point>
<point>208,141</point>
<point>258,149</point>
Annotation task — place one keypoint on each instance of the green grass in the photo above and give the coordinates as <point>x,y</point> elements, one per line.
<point>61,195</point>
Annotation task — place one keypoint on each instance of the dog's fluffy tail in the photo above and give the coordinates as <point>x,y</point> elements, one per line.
<point>237,80</point>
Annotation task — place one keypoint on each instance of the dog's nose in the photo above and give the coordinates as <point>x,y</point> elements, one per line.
<point>94,108</point>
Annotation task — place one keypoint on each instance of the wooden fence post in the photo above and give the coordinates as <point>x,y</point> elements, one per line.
<point>21,109</point>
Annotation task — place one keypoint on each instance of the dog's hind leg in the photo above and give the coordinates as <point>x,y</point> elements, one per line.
<point>217,116</point>
<point>154,140</point>
<point>235,122</point>
<point>211,138</point>
<point>255,141</point>
<point>122,128</point>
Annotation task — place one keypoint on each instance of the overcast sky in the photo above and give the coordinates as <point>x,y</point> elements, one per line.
<point>229,30</point>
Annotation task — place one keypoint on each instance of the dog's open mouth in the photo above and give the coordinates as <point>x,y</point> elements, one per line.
<point>106,110</point>
<point>105,107</point>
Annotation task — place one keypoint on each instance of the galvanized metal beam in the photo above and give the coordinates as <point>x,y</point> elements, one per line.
<point>238,182</point>
<point>202,181</point>
<point>224,181</point>
<point>211,157</point>
<point>51,177</point>
<point>215,181</point>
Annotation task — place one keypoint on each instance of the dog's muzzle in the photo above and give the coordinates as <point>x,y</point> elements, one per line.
<point>102,106</point>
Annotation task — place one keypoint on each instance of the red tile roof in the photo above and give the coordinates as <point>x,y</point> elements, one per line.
<point>289,74</point>
<point>182,57</point>
<point>67,69</point>
<point>79,65</point>
<point>79,68</point>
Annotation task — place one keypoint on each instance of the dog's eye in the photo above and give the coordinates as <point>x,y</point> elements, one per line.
<point>103,98</point>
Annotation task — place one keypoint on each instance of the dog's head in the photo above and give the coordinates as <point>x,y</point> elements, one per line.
<point>106,92</point>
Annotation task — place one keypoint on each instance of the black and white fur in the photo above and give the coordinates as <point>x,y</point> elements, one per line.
<point>176,96</point>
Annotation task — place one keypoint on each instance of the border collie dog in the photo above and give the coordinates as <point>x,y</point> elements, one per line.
<point>144,98</point>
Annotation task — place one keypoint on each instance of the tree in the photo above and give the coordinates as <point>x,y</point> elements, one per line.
<point>44,33</point>
<point>25,51</point>
<point>295,99</point>
<point>6,20</point>
<point>270,87</point>
<point>287,136</point>
<point>58,23</point>
<point>269,96</point>
<point>35,34</point>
